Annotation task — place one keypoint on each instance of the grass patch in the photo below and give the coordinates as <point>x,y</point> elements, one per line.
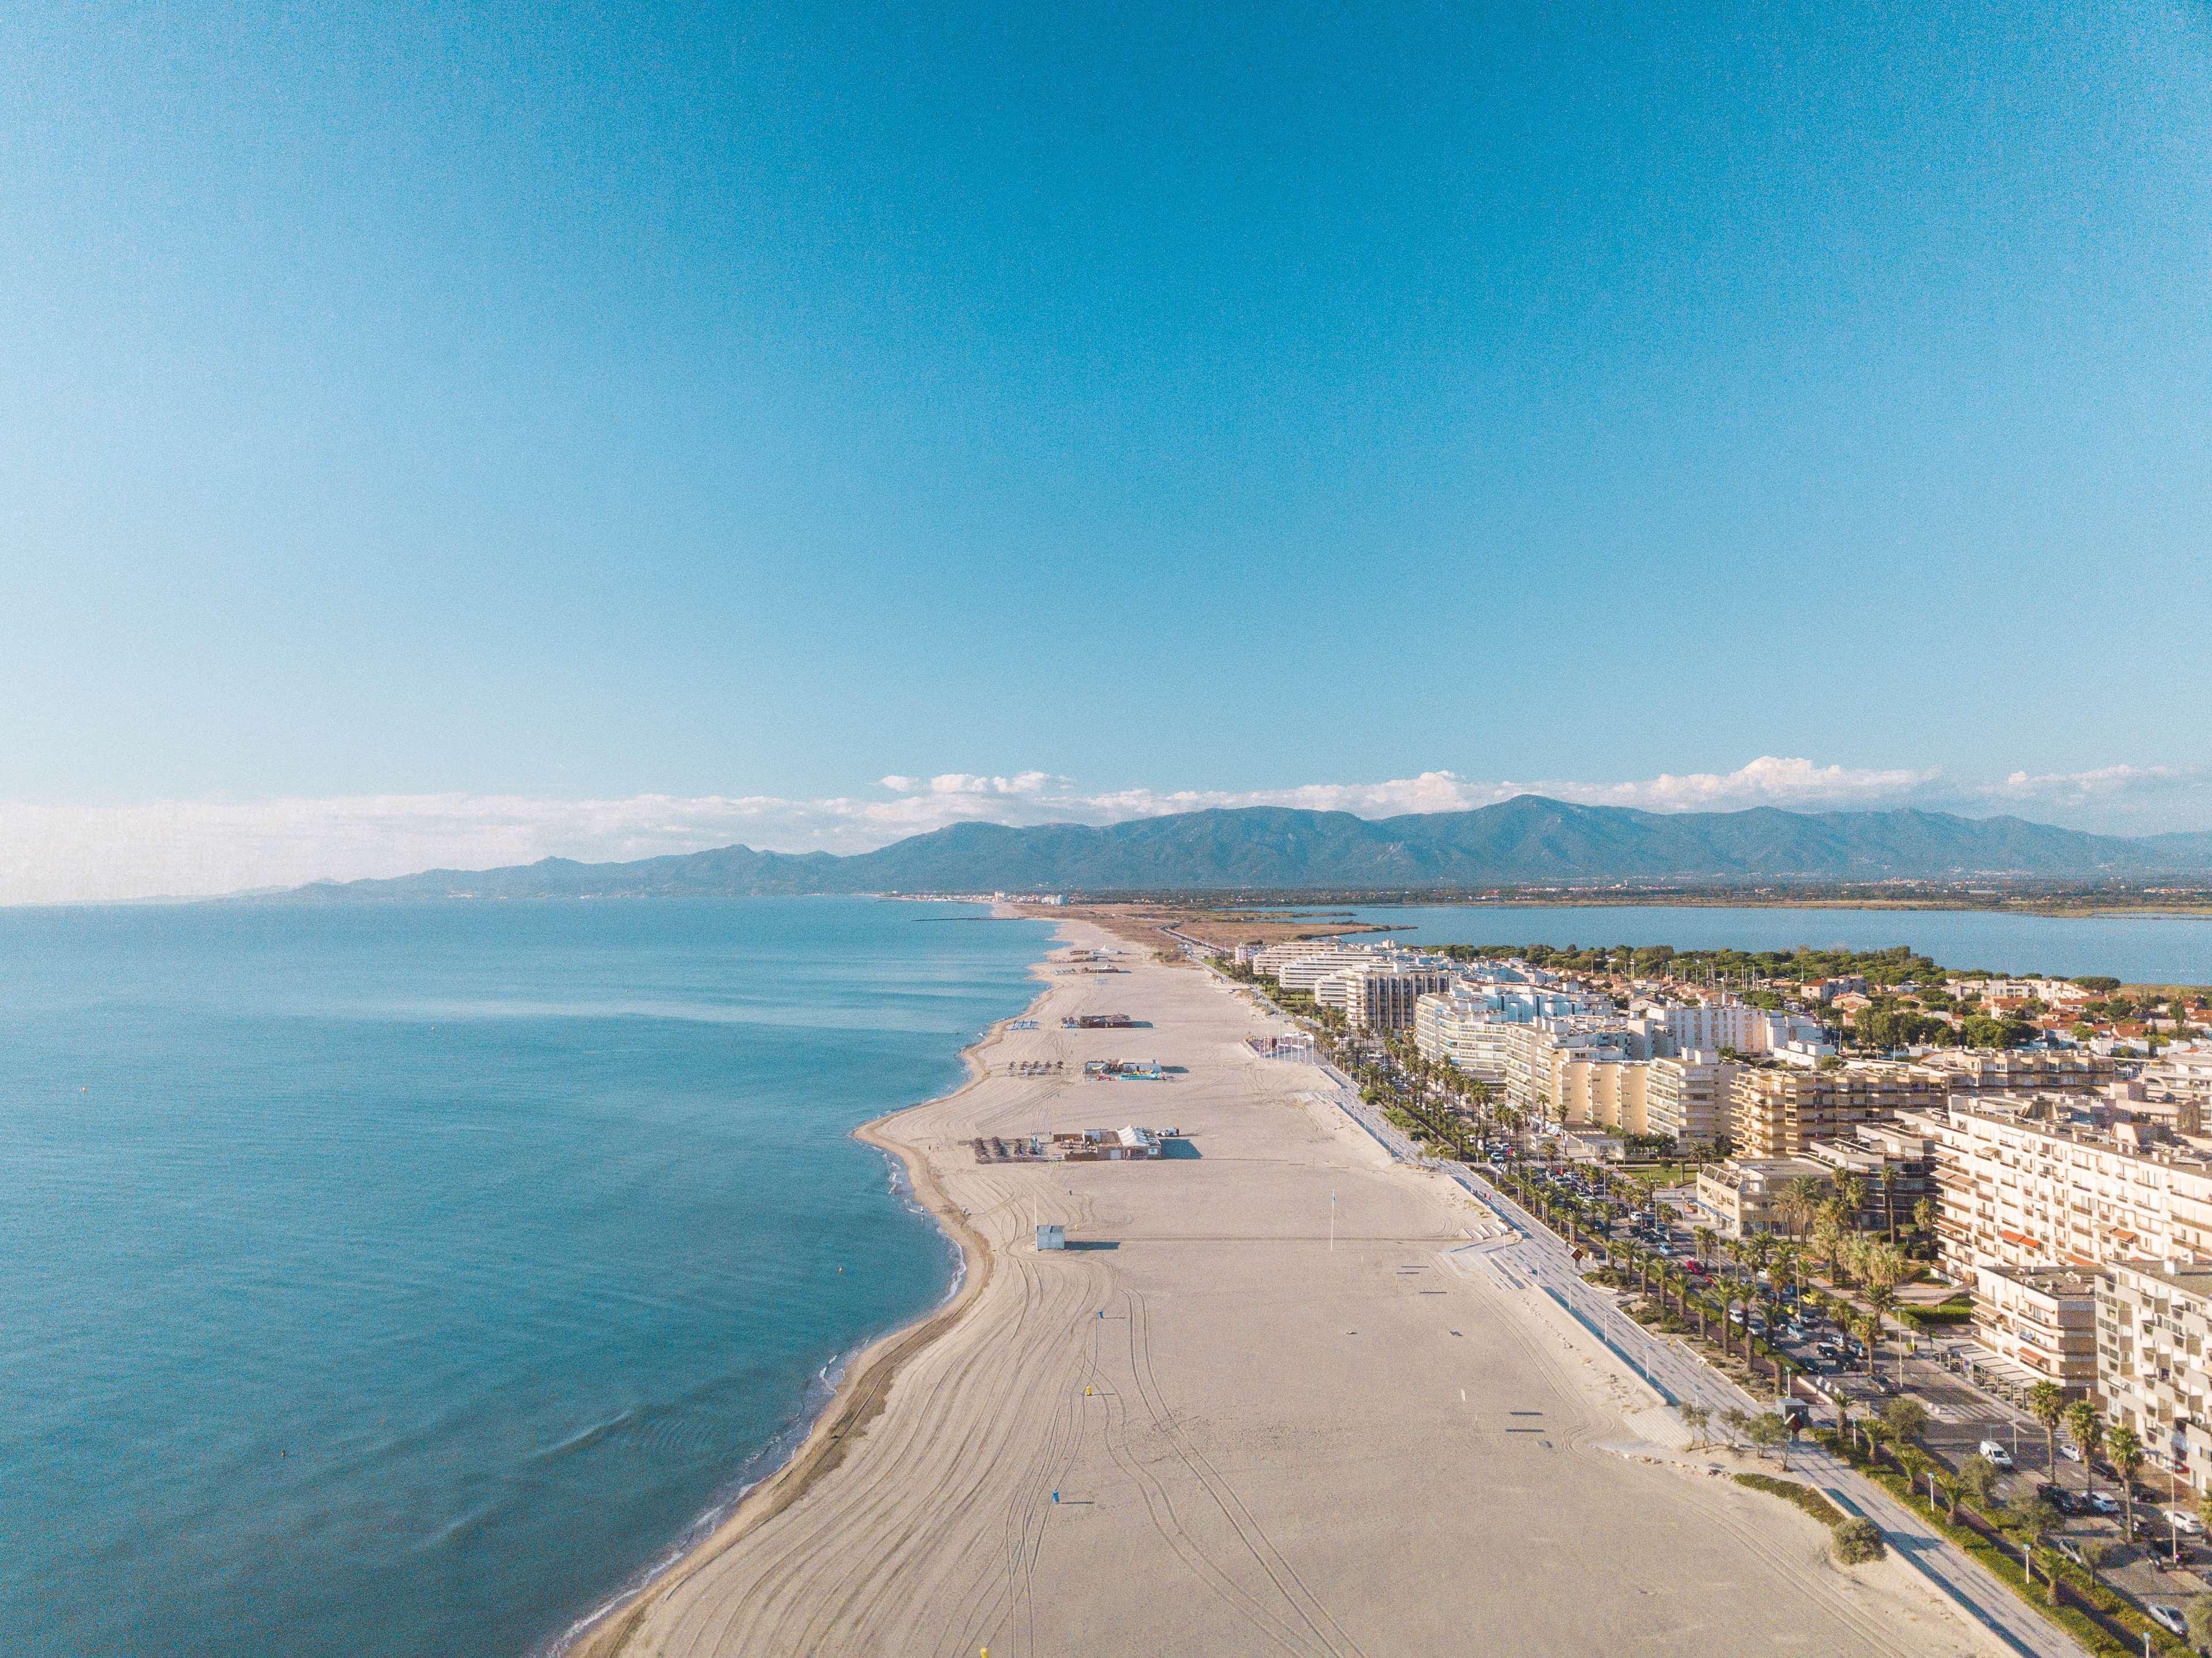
<point>1790,1491</point>
<point>1946,1314</point>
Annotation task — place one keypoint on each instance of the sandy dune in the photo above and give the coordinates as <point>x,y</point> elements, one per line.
<point>1260,1444</point>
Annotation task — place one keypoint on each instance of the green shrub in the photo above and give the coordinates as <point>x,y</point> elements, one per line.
<point>1859,1541</point>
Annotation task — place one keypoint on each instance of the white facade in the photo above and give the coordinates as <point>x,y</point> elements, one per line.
<point>2018,1192</point>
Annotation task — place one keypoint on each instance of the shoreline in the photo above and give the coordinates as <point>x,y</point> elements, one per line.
<point>860,1392</point>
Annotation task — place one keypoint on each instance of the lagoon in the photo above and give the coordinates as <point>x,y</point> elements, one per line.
<point>2135,949</point>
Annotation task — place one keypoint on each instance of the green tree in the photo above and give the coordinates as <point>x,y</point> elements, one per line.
<point>2096,1555</point>
<point>1906,1417</point>
<point>1766,1431</point>
<point>2031,1520</point>
<point>1977,1478</point>
<point>2046,1403</point>
<point>1695,1418</point>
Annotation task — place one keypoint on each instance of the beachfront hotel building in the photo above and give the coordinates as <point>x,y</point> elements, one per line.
<point>2029,1182</point>
<point>2153,1351</point>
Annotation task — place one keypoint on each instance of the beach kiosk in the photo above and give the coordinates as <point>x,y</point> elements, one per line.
<point>1051,1234</point>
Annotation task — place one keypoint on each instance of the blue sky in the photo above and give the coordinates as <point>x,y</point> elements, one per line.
<point>560,419</point>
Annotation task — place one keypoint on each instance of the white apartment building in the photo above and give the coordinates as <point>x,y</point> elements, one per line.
<point>1537,1054</point>
<point>1708,1027</point>
<point>1457,1025</point>
<point>1975,1070</point>
<point>2057,993</point>
<point>1686,1095</point>
<point>2043,1319</point>
<point>1306,972</point>
<point>2026,1183</point>
<point>2154,1336</point>
<point>1381,995</point>
<point>2180,1073</point>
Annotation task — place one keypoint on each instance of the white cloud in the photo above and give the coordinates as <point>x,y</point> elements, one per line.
<point>68,853</point>
<point>1768,780</point>
<point>2106,782</point>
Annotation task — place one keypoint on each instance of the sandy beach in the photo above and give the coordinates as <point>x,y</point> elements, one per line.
<point>1205,1429</point>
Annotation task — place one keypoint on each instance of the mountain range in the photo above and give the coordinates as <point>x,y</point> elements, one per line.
<point>1526,840</point>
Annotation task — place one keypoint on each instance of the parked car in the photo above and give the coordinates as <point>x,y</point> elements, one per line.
<point>2071,1550</point>
<point>2185,1522</point>
<point>2103,1502</point>
<point>1694,1265</point>
<point>2168,1617</point>
<point>2059,1497</point>
<point>1995,1455</point>
<point>2070,1450</point>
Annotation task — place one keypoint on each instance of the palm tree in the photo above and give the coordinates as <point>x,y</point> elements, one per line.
<point>1889,1199</point>
<point>1924,1217</point>
<point>1849,1252</point>
<point>1829,1239</point>
<point>2126,1451</point>
<point>1870,1329</point>
<point>1850,1198</point>
<point>2085,1425</point>
<point>1916,1463</point>
<point>1880,1298</point>
<point>1758,1249</point>
<point>2046,1403</point>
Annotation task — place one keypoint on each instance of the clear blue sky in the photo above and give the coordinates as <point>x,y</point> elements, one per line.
<point>707,399</point>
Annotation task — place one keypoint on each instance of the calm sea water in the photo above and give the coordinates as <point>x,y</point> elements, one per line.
<point>2138,949</point>
<point>402,1281</point>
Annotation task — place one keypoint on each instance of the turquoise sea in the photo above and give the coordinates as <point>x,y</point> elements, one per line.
<point>399,1282</point>
<point>2138,949</point>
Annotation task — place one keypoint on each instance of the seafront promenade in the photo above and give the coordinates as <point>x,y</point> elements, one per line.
<point>1521,1254</point>
<point>1265,1402</point>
